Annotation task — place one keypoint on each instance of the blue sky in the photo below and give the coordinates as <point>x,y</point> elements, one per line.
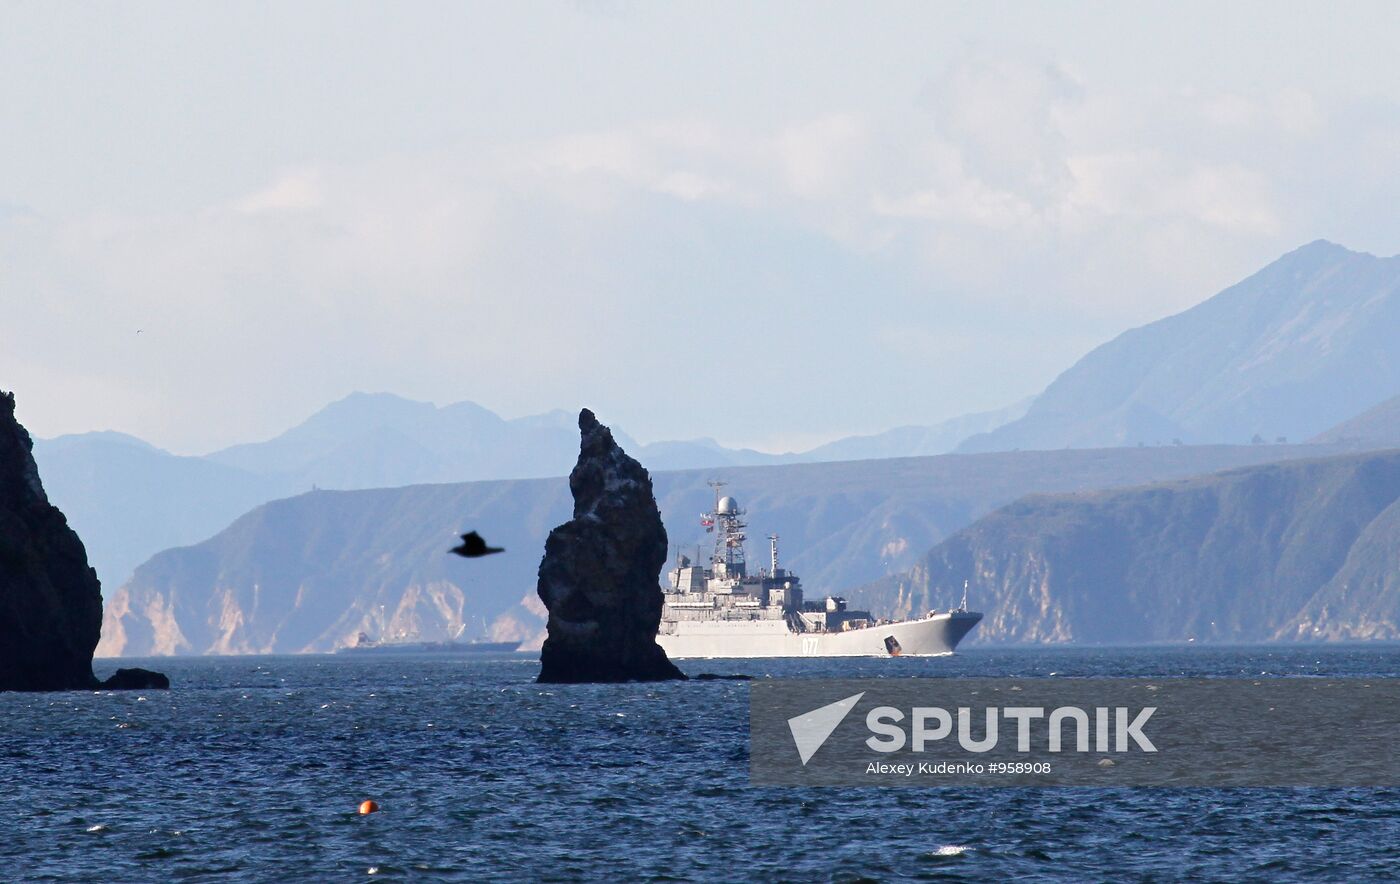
<point>773,224</point>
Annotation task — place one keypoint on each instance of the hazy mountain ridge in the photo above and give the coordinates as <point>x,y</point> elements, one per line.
<point>1378,427</point>
<point>377,439</point>
<point>129,499</point>
<point>1297,347</point>
<point>310,572</point>
<point>1287,551</point>
<point>917,441</point>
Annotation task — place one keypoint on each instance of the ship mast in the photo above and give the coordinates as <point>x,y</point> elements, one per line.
<point>729,528</point>
<point>716,484</point>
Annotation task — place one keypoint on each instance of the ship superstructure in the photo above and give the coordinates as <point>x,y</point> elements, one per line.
<point>723,610</point>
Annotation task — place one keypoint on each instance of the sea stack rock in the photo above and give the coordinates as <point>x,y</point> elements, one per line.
<point>600,576</point>
<point>50,600</point>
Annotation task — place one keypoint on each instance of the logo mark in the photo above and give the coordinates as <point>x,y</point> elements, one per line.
<point>810,730</point>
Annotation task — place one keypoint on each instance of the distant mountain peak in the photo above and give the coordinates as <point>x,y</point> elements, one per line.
<point>100,436</point>
<point>1325,246</point>
<point>1318,254</point>
<point>372,395</point>
<point>361,403</point>
<point>1301,344</point>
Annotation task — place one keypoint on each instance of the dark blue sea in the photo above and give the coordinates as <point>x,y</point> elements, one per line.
<point>252,769</point>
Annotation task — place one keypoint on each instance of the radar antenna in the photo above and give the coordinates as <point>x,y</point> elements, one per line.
<point>728,523</point>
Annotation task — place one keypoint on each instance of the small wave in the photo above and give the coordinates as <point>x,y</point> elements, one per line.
<point>952,850</point>
<point>158,853</point>
<point>97,828</point>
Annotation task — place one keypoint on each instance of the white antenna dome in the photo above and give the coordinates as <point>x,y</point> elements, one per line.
<point>728,506</point>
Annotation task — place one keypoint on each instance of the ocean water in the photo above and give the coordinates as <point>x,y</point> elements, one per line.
<point>253,768</point>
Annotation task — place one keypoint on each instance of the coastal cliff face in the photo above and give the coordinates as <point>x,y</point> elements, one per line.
<point>599,578</point>
<point>50,600</point>
<point>1301,551</point>
<point>307,574</point>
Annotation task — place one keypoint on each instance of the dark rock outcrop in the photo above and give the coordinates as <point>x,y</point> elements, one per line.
<point>136,680</point>
<point>50,600</point>
<point>599,575</point>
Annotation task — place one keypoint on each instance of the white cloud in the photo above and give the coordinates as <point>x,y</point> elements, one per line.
<point>1148,186</point>
<point>1040,208</point>
<point>1002,113</point>
<point>821,158</point>
<point>289,193</point>
<point>1291,112</point>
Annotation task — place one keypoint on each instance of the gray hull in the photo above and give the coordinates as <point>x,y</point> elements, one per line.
<point>930,636</point>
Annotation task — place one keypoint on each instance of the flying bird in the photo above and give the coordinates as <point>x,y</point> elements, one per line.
<point>473,546</point>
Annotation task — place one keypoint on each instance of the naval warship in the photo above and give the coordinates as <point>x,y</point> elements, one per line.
<point>724,611</point>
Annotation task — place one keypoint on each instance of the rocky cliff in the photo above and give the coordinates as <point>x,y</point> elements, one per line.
<point>50,600</point>
<point>1298,551</point>
<point>599,578</point>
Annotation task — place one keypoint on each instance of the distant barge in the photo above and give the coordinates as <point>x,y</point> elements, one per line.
<point>367,646</point>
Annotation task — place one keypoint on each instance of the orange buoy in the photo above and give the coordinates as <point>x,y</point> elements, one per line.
<point>368,807</point>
